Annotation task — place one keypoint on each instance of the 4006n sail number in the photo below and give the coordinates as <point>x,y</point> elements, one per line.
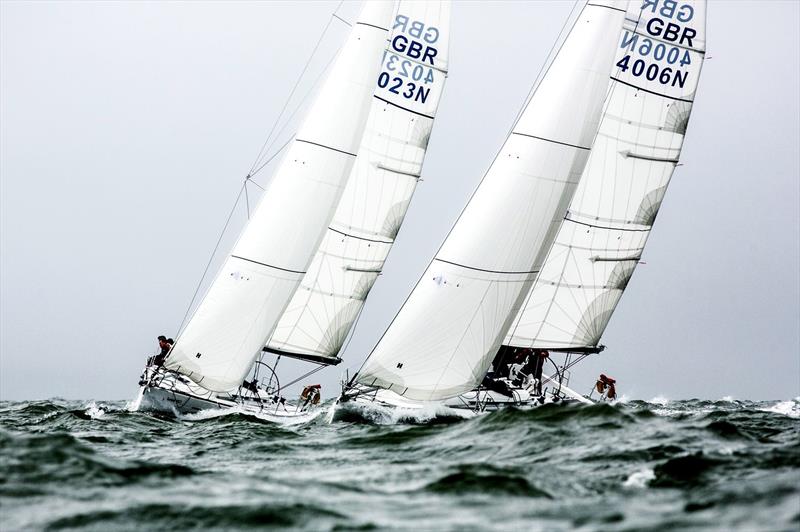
<point>405,65</point>
<point>654,59</point>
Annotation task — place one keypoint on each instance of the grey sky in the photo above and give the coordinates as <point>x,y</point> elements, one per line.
<point>126,129</point>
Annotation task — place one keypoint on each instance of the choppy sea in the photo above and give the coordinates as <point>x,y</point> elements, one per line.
<point>635,465</point>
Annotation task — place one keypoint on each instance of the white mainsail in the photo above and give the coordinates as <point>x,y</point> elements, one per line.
<point>601,240</point>
<point>379,190</point>
<point>239,313</point>
<point>449,329</point>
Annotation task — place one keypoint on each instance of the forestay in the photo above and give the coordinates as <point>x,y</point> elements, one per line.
<point>448,330</point>
<point>251,291</point>
<point>377,195</point>
<point>658,64</point>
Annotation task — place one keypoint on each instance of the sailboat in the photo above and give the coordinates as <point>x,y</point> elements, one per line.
<point>297,278</point>
<point>538,260</point>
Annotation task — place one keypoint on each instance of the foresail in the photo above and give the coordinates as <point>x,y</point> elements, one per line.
<point>377,195</point>
<point>598,247</point>
<point>448,330</point>
<point>251,291</point>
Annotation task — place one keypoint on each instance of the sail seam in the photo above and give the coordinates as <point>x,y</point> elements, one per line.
<point>551,140</point>
<point>401,107</point>
<point>371,26</point>
<point>483,270</point>
<point>608,7</point>
<point>327,147</point>
<point>360,237</point>
<point>652,92</point>
<point>268,265</point>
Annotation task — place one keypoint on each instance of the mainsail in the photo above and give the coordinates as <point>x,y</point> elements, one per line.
<point>604,232</point>
<point>243,305</point>
<point>450,327</point>
<point>378,192</point>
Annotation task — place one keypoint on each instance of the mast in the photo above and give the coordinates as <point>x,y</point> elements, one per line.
<point>273,253</point>
<point>602,237</point>
<point>452,323</point>
<point>384,177</point>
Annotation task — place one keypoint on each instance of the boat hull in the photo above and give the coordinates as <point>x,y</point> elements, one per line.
<point>166,393</point>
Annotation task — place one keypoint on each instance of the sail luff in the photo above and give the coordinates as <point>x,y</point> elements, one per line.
<point>379,190</point>
<point>447,331</point>
<point>256,282</point>
<point>613,211</point>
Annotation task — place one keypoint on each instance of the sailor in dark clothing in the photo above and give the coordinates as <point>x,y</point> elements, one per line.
<point>165,347</point>
<point>535,366</point>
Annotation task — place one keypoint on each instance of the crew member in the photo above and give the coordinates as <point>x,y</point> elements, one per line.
<point>606,385</point>
<point>165,347</point>
<point>311,395</point>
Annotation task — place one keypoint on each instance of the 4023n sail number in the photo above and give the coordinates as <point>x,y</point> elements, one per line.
<point>408,63</point>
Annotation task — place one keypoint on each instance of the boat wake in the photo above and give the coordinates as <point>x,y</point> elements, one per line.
<point>376,414</point>
<point>248,413</point>
<point>789,408</point>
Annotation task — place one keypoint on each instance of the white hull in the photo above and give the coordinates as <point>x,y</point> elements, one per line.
<point>167,393</point>
<point>385,404</point>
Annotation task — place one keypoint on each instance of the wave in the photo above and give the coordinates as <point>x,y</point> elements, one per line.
<point>241,414</point>
<point>487,479</point>
<point>188,516</point>
<point>790,408</point>
<point>376,414</point>
<point>47,459</point>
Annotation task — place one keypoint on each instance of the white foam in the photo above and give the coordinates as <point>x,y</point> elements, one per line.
<point>622,399</point>
<point>394,415</point>
<point>282,418</point>
<point>728,399</point>
<point>789,408</point>
<point>659,400</point>
<point>639,479</point>
<point>133,406</point>
<point>94,411</point>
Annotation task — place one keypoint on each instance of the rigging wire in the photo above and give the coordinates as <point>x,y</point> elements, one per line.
<point>296,84</point>
<point>211,258</point>
<point>301,377</point>
<point>247,198</point>
<point>545,68</point>
<point>259,163</point>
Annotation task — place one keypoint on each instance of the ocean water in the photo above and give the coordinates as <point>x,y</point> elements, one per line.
<point>659,465</point>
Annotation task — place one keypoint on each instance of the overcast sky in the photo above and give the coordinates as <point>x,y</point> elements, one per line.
<point>126,130</point>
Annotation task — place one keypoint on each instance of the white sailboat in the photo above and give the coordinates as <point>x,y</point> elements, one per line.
<point>298,276</point>
<point>544,249</point>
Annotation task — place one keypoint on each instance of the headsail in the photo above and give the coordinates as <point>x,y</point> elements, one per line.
<point>251,291</point>
<point>448,330</point>
<point>377,195</point>
<point>601,240</point>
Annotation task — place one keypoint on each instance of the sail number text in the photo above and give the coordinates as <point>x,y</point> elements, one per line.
<point>654,59</point>
<point>408,63</point>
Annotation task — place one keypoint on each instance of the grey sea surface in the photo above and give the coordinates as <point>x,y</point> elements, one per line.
<point>677,465</point>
